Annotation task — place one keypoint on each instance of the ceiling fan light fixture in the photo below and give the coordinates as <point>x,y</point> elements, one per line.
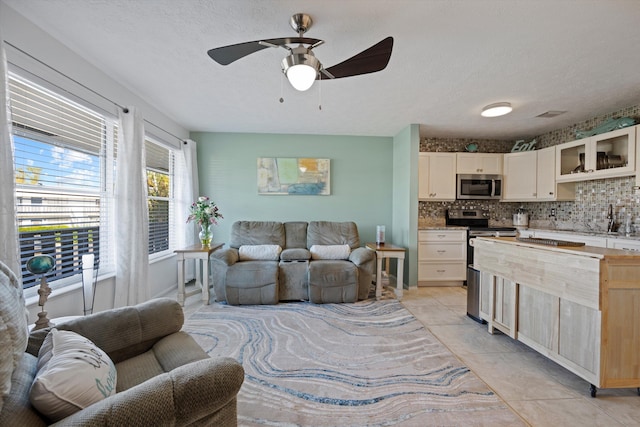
<point>301,70</point>
<point>497,109</point>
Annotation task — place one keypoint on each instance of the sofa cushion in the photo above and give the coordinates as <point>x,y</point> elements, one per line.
<point>252,282</point>
<point>73,373</point>
<point>295,234</point>
<point>330,251</point>
<point>295,254</point>
<point>333,281</point>
<point>257,233</point>
<point>332,233</point>
<point>259,252</point>
<point>170,352</point>
<point>13,328</point>
<point>17,410</point>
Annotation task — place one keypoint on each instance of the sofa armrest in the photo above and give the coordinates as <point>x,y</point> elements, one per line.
<point>361,256</point>
<point>122,332</point>
<point>228,256</point>
<point>183,396</point>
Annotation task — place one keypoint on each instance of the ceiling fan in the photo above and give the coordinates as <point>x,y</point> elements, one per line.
<point>301,66</point>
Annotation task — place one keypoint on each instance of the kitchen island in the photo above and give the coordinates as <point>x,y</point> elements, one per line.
<point>579,306</point>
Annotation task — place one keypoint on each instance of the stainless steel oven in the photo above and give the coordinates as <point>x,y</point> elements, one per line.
<point>479,187</point>
<point>477,221</point>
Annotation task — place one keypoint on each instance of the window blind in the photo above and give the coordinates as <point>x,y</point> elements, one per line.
<point>63,196</point>
<point>159,162</point>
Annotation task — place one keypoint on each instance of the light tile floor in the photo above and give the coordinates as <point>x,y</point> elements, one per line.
<point>540,391</point>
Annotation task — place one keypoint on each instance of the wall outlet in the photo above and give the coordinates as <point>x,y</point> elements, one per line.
<point>552,212</point>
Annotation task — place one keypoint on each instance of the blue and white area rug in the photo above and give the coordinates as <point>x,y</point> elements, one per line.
<point>365,364</point>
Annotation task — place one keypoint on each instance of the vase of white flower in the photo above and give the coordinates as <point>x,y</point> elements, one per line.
<point>206,213</point>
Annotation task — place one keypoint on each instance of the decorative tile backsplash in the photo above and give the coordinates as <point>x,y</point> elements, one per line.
<point>587,212</point>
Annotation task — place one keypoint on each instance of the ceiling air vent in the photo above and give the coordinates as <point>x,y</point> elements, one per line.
<point>551,113</point>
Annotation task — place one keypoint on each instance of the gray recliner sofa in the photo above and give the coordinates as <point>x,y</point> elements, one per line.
<point>319,261</point>
<point>163,376</point>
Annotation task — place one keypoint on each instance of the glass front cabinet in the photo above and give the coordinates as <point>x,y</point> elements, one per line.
<point>607,155</point>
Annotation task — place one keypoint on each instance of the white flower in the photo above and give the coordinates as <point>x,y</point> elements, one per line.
<point>208,210</point>
<point>202,198</point>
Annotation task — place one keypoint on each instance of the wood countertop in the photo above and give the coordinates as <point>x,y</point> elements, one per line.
<point>589,251</point>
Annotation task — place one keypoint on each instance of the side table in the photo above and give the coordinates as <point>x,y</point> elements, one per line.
<point>387,250</point>
<point>199,253</point>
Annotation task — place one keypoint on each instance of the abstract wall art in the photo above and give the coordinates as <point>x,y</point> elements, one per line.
<point>294,176</point>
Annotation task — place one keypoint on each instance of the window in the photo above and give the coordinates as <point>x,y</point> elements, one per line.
<point>65,156</point>
<point>160,200</point>
<point>60,156</point>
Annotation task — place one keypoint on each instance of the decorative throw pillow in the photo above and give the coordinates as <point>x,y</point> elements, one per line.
<point>73,373</point>
<point>330,251</point>
<point>260,252</point>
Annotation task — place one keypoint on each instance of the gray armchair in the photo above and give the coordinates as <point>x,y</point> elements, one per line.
<point>164,377</point>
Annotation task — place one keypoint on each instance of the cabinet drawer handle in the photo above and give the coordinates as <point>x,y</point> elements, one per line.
<point>442,236</point>
<point>551,193</point>
<point>441,251</point>
<point>441,271</point>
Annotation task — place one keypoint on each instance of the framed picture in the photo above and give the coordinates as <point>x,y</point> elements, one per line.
<point>294,176</point>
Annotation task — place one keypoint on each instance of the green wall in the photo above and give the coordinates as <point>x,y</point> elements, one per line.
<point>361,179</point>
<point>405,198</point>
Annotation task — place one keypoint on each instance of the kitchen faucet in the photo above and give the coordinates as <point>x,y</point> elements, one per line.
<point>611,219</point>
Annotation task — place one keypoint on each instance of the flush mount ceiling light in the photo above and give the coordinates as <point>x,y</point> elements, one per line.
<point>497,109</point>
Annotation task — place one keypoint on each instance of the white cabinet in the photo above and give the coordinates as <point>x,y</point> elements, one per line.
<point>597,241</point>
<point>520,176</point>
<point>626,244</point>
<point>442,257</point>
<point>436,176</point>
<point>479,163</point>
<point>529,175</point>
<point>547,188</point>
<point>607,155</point>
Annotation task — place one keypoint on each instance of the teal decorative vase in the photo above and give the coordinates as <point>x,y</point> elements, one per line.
<point>205,234</point>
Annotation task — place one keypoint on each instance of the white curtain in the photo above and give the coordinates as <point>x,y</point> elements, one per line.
<point>132,218</point>
<point>186,173</point>
<point>9,249</point>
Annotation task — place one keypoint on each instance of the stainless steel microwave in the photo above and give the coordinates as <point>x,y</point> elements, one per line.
<point>479,187</point>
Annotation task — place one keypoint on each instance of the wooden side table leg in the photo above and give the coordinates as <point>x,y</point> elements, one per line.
<point>378,276</point>
<point>181,279</point>
<point>400,279</point>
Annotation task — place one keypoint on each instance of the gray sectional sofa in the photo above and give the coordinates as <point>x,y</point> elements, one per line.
<point>267,262</point>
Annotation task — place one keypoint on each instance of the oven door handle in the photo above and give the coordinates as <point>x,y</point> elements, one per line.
<point>493,188</point>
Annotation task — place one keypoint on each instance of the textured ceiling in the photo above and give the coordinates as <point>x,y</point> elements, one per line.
<point>450,58</point>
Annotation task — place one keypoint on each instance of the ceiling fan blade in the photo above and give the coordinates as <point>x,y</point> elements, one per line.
<point>370,60</point>
<point>225,55</point>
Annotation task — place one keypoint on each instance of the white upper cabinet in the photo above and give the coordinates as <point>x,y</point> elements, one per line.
<point>479,163</point>
<point>436,176</point>
<point>546,188</point>
<point>607,155</point>
<point>520,176</point>
<point>529,175</point>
